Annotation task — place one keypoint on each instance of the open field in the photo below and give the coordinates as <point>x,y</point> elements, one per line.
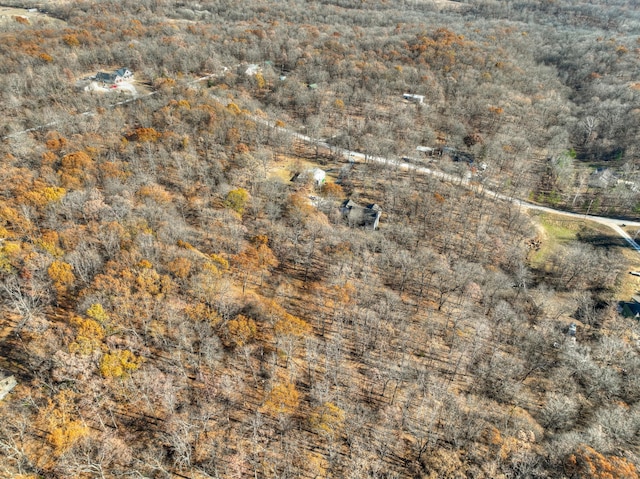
<point>9,15</point>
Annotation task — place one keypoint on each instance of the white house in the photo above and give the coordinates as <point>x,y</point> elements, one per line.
<point>252,70</point>
<point>319,176</point>
<point>123,74</point>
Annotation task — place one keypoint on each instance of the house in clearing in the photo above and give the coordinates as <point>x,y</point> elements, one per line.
<point>318,175</point>
<point>123,74</point>
<point>115,77</point>
<point>602,178</point>
<point>363,216</point>
<point>630,309</point>
<point>105,78</point>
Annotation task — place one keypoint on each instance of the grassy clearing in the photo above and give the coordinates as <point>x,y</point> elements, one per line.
<point>554,230</point>
<point>285,166</point>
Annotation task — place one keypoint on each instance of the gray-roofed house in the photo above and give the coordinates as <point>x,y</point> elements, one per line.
<point>630,309</point>
<point>602,178</point>
<point>364,216</point>
<point>105,78</point>
<point>117,76</point>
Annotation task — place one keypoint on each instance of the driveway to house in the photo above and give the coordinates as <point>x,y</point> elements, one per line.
<point>614,223</point>
<point>354,156</point>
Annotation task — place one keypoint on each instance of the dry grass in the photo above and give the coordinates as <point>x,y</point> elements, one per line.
<point>8,15</point>
<point>557,230</point>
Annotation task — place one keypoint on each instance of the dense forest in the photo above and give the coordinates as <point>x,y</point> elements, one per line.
<point>173,306</point>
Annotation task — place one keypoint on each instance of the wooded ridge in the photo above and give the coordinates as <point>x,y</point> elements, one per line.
<point>206,271</point>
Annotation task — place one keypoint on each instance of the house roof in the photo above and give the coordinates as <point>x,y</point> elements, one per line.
<point>364,215</point>
<point>349,204</point>
<point>252,69</point>
<point>373,207</point>
<point>122,71</point>
<point>105,77</point>
<point>602,178</point>
<point>424,149</point>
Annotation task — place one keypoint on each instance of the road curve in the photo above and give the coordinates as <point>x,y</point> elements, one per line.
<point>613,223</point>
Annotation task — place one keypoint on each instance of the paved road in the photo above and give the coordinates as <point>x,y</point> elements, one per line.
<point>613,223</point>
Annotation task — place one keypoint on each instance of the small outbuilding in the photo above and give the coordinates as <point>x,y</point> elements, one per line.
<point>414,98</point>
<point>426,150</point>
<point>252,70</point>
<point>7,383</point>
<point>319,176</point>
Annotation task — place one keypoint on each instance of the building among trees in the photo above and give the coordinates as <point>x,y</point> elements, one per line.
<point>364,216</point>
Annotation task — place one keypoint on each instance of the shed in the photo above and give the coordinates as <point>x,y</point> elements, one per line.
<point>252,70</point>
<point>319,176</point>
<point>428,151</point>
<point>413,98</point>
<point>6,385</point>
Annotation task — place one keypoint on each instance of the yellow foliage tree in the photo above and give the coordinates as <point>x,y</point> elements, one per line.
<point>180,267</point>
<point>144,135</point>
<point>156,193</point>
<point>119,364</point>
<point>89,335</point>
<point>49,242</point>
<point>290,325</point>
<point>240,330</point>
<point>260,81</point>
<point>97,312</point>
<point>219,261</point>
<point>43,195</point>
<point>282,399</point>
<point>9,255</point>
<point>237,200</point>
<point>64,431</point>
<point>202,312</point>
<point>61,274</point>
<point>327,419</point>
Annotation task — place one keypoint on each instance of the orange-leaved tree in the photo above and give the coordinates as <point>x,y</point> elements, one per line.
<point>587,463</point>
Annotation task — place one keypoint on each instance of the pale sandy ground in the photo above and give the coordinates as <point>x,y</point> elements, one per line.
<point>124,87</point>
<point>9,14</point>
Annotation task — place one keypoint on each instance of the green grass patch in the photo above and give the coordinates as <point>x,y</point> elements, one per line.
<point>556,230</point>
